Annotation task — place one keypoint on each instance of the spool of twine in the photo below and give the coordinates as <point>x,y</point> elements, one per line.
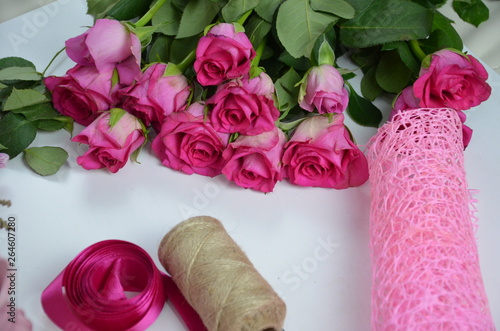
<point>425,262</point>
<point>218,279</point>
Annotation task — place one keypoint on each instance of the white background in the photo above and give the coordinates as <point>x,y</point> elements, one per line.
<point>283,232</point>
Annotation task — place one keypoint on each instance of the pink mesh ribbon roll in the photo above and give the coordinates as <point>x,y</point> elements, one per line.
<point>425,263</point>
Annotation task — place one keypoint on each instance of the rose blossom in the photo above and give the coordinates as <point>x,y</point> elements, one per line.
<point>324,90</point>
<point>112,138</point>
<point>21,322</point>
<point>255,161</point>
<point>188,142</point>
<point>160,91</point>
<point>222,54</point>
<point>234,108</point>
<point>108,45</point>
<point>82,94</point>
<point>320,153</point>
<point>452,80</point>
<point>406,100</point>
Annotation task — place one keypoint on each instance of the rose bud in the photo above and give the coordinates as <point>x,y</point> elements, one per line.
<point>321,153</point>
<point>222,54</point>
<point>108,45</point>
<point>160,91</point>
<point>187,142</point>
<point>323,89</point>
<point>83,93</point>
<point>236,109</point>
<point>255,161</point>
<point>451,80</point>
<point>112,138</point>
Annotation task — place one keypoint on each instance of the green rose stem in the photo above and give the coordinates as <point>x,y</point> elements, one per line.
<point>258,54</point>
<point>149,14</point>
<point>415,47</point>
<point>187,61</point>
<point>52,60</point>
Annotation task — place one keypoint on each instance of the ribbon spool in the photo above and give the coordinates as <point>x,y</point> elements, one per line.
<point>217,278</point>
<point>425,263</point>
<point>112,285</point>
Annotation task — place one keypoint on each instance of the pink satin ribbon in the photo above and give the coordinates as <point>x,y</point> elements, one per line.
<point>113,285</point>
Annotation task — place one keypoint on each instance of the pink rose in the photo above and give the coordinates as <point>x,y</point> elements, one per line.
<point>82,94</point>
<point>160,91</point>
<point>21,322</point>
<point>222,54</point>
<point>321,154</point>
<point>452,80</point>
<point>323,90</point>
<point>112,138</point>
<point>235,109</point>
<point>187,142</point>
<point>406,100</point>
<point>255,161</point>
<point>108,45</point>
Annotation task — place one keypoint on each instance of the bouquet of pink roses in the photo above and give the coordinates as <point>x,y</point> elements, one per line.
<point>247,89</point>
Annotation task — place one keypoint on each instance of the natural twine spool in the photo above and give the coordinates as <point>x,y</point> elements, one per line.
<point>217,278</point>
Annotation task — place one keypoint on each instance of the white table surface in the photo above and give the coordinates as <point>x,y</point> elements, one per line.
<point>283,233</point>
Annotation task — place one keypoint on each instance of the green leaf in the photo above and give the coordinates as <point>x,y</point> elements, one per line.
<point>257,29</point>
<point>19,73</point>
<point>45,160</point>
<point>362,111</point>
<point>129,9</point>
<point>50,125</point>
<point>196,16</point>
<point>181,48</point>
<point>359,5</point>
<point>443,35</point>
<point>385,21</point>
<point>159,51</point>
<point>405,54</point>
<point>99,8</point>
<point>340,8</point>
<point>267,9</point>
<point>167,18</point>
<point>235,8</point>
<point>23,98</point>
<point>16,133</point>
<point>13,61</point>
<point>392,74</point>
<point>298,26</point>
<point>40,111</point>
<point>369,86</point>
<point>474,11</point>
<point>286,91</point>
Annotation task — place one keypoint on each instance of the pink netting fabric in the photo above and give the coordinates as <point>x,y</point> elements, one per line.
<point>425,262</point>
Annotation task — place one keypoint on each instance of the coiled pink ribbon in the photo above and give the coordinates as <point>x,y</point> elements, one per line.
<point>113,285</point>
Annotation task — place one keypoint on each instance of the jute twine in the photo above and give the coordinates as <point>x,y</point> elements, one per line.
<point>218,279</point>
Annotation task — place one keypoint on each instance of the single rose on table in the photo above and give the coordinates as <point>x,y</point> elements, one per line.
<point>108,45</point>
<point>255,161</point>
<point>112,138</point>
<point>320,153</point>
<point>188,142</point>
<point>224,53</point>
<point>245,106</point>
<point>323,90</point>
<point>161,90</point>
